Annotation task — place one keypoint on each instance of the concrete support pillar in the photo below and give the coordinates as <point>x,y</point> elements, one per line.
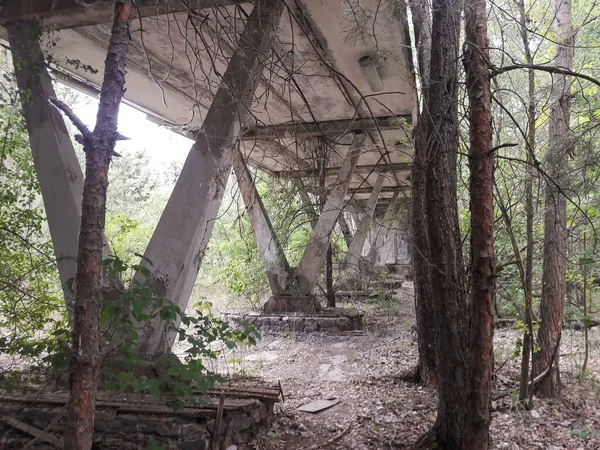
<point>54,157</point>
<point>314,256</point>
<point>383,230</point>
<point>279,273</point>
<point>180,239</point>
<point>353,257</point>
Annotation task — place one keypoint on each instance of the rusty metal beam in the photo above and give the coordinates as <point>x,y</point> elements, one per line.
<point>58,14</point>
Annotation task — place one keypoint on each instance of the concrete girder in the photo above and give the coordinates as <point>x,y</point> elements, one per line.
<point>352,258</point>
<point>60,14</point>
<point>54,158</point>
<point>367,168</point>
<point>314,256</point>
<point>323,128</point>
<point>178,244</point>
<point>278,269</point>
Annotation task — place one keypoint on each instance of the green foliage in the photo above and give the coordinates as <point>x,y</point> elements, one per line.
<point>206,337</point>
<point>32,311</point>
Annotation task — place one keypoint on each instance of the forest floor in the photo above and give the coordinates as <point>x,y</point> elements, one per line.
<point>379,411</point>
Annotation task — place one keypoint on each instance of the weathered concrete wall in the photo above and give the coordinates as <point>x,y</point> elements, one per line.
<point>281,323</point>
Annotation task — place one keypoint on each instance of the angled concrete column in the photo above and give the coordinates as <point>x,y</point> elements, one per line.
<point>180,239</point>
<point>383,230</point>
<point>279,273</point>
<point>353,257</point>
<point>315,253</point>
<point>54,158</point>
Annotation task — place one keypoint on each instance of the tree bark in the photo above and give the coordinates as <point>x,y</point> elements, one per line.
<point>99,145</point>
<point>555,214</point>
<point>329,279</point>
<point>425,372</point>
<point>481,161</point>
<point>448,296</point>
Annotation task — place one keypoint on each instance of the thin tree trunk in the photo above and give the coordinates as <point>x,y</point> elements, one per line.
<point>528,344</point>
<point>555,215</point>
<point>586,319</point>
<point>329,278</point>
<point>425,371</point>
<point>86,357</point>
<point>483,267</point>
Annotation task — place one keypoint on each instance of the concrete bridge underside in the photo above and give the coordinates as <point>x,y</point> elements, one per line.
<point>276,81</point>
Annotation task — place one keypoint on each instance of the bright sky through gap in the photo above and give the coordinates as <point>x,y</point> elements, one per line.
<point>162,145</point>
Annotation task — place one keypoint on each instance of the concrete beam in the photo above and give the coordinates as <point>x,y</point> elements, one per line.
<point>59,14</point>
<point>54,158</point>
<point>386,189</point>
<point>330,127</point>
<point>314,256</point>
<point>179,242</point>
<point>352,258</point>
<point>367,168</point>
<point>279,273</point>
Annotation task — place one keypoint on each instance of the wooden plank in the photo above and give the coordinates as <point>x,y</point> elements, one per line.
<point>33,431</point>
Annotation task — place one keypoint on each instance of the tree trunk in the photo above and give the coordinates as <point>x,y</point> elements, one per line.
<point>481,189</point>
<point>448,297</point>
<point>99,146</point>
<point>555,214</point>
<point>425,372</point>
<point>528,347</point>
<point>329,279</point>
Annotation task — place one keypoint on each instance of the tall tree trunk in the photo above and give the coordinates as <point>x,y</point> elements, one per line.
<point>481,189</point>
<point>448,297</point>
<point>425,372</point>
<point>528,345</point>
<point>86,355</point>
<point>555,214</point>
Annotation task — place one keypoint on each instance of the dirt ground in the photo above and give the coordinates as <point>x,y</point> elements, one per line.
<point>378,411</point>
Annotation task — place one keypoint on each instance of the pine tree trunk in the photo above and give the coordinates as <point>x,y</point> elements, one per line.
<point>482,227</point>
<point>555,214</point>
<point>99,146</point>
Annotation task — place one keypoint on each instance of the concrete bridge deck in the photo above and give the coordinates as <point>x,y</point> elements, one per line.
<point>336,66</point>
